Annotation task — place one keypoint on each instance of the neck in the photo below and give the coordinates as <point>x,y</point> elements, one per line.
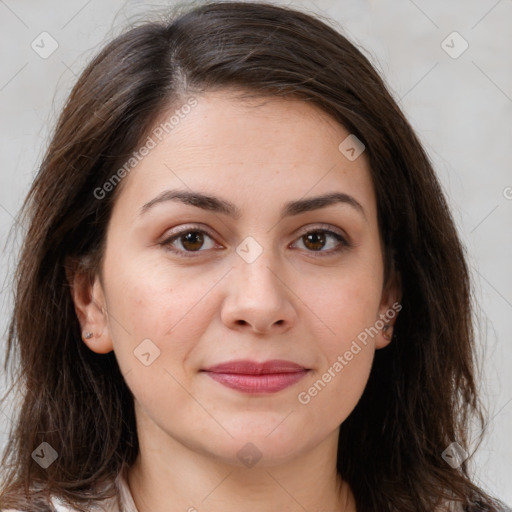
<point>170,477</point>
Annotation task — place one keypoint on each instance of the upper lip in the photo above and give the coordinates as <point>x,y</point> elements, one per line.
<point>248,367</point>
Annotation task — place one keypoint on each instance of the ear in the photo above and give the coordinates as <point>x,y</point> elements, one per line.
<point>90,307</point>
<point>389,308</point>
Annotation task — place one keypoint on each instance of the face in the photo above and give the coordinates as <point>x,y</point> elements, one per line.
<point>257,272</point>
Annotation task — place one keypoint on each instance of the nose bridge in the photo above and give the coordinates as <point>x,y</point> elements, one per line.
<point>259,268</point>
<point>258,295</point>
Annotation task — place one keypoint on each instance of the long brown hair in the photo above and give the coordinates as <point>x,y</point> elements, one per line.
<point>421,395</point>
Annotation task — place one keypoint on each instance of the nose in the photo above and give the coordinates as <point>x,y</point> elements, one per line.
<point>259,298</point>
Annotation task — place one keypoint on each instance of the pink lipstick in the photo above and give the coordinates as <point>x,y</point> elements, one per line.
<point>253,377</point>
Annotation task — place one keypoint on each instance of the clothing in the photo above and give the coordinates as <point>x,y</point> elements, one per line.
<point>122,502</point>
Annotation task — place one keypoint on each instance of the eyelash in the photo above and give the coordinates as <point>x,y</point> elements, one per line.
<point>167,243</point>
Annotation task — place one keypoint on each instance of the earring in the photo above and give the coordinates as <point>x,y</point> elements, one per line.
<point>88,335</point>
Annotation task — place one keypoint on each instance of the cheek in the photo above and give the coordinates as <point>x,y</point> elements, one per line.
<point>346,303</point>
<point>347,351</point>
<point>149,302</point>
<point>332,393</point>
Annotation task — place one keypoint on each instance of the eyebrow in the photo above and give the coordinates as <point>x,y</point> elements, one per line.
<point>216,204</point>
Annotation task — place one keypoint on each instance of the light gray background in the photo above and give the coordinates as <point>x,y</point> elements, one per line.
<point>461,108</point>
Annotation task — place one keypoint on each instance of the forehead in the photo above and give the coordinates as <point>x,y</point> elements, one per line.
<point>273,149</point>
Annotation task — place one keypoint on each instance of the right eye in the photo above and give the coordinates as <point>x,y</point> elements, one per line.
<point>191,240</point>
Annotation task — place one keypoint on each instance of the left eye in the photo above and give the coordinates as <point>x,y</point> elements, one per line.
<point>317,240</point>
<point>193,241</point>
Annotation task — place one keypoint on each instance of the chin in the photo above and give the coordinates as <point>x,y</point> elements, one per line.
<point>252,447</point>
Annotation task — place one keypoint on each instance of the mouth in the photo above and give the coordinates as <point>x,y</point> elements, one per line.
<point>257,378</point>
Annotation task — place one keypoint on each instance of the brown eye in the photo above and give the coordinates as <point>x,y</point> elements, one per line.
<point>316,240</point>
<point>189,241</point>
<point>192,241</point>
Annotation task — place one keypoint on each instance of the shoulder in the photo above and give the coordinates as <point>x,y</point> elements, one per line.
<point>126,503</point>
<point>106,505</point>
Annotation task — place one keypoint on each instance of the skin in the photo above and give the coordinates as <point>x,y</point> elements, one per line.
<point>289,303</point>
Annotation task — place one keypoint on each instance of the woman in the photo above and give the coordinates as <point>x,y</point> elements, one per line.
<point>241,286</point>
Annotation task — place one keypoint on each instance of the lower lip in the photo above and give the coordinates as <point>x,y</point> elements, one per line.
<point>268,383</point>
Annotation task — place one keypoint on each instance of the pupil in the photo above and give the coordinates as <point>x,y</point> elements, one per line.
<point>316,238</point>
<point>192,240</point>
